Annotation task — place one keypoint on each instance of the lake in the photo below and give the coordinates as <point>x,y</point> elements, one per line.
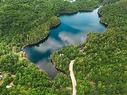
<point>73,30</point>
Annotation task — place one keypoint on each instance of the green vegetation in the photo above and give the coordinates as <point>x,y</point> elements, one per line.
<point>101,62</point>
<point>100,67</point>
<point>27,79</point>
<point>24,22</point>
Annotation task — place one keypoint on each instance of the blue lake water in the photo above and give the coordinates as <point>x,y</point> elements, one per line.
<point>72,30</point>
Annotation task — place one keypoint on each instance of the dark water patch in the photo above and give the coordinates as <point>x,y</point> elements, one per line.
<point>72,30</point>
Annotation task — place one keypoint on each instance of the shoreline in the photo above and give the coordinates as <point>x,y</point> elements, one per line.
<point>43,40</point>
<point>59,22</point>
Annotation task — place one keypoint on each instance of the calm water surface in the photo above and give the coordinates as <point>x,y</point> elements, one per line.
<point>72,30</point>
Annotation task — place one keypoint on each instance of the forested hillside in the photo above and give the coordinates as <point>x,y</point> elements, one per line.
<point>100,66</point>
<point>28,21</point>
<point>101,62</point>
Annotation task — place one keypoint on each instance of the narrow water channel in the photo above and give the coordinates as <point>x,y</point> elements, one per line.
<point>72,30</point>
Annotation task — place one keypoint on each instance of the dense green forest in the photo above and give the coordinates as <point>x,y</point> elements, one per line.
<point>100,66</point>
<point>30,20</point>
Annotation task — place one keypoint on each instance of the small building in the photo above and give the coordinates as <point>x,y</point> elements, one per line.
<point>1,77</point>
<point>10,85</point>
<point>70,0</point>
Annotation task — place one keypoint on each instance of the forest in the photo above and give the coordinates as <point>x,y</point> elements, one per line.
<point>100,62</point>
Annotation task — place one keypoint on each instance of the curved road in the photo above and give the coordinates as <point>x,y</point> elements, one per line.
<point>72,77</point>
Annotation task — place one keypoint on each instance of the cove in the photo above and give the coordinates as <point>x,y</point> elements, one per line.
<point>73,30</point>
